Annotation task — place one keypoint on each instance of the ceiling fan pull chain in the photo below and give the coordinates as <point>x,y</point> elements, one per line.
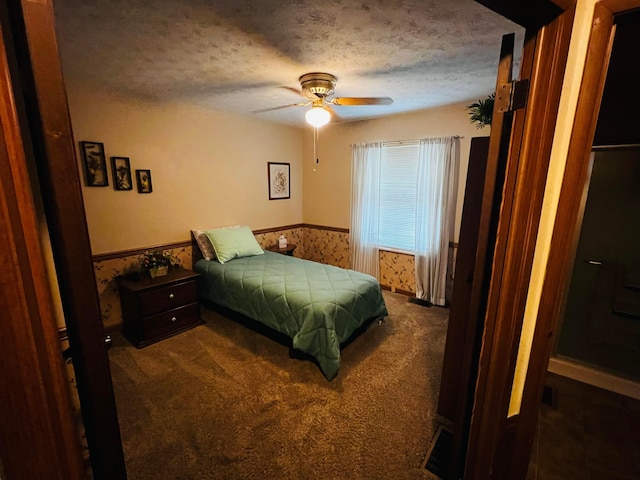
<point>315,146</point>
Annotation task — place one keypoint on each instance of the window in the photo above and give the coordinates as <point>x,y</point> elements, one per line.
<point>398,171</point>
<point>403,198</point>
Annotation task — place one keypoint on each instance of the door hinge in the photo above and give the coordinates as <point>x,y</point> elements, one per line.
<point>512,96</point>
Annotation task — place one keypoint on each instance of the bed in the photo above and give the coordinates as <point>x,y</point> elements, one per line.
<point>317,306</point>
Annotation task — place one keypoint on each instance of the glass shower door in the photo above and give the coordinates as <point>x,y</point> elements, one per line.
<point>601,325</point>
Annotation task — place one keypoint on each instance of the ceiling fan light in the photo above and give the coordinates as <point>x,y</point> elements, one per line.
<point>317,117</point>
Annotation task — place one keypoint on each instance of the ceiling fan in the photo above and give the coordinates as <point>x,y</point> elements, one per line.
<point>316,88</point>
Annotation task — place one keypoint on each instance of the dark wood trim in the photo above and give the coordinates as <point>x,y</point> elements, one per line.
<point>398,290</point>
<point>324,227</point>
<point>565,234</point>
<point>188,243</point>
<point>565,4</point>
<point>470,394</point>
<point>38,437</point>
<point>101,257</point>
<point>525,182</point>
<point>139,251</point>
<point>51,134</point>
<point>461,325</point>
<point>506,448</point>
<point>531,14</point>
<point>278,229</point>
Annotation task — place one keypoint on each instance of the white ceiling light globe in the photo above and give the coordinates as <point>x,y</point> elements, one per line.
<point>317,117</point>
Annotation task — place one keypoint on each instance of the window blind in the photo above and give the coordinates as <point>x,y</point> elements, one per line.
<point>398,195</point>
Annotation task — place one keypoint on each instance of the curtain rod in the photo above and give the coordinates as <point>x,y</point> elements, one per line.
<point>404,142</point>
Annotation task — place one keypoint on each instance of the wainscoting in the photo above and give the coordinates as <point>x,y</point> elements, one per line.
<point>322,244</point>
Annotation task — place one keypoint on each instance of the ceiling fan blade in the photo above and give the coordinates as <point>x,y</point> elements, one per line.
<point>350,101</point>
<point>297,91</point>
<point>279,108</point>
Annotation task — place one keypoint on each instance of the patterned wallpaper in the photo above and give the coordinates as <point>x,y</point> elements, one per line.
<point>397,271</point>
<point>312,243</point>
<point>294,236</point>
<point>75,401</point>
<point>332,247</point>
<point>106,271</point>
<point>327,246</point>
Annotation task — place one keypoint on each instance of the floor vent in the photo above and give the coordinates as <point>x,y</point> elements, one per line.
<point>439,455</point>
<point>549,396</point>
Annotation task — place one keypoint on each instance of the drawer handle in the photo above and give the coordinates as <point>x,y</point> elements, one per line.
<point>173,319</point>
<point>171,295</point>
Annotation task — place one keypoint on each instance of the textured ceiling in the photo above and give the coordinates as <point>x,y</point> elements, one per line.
<point>233,55</point>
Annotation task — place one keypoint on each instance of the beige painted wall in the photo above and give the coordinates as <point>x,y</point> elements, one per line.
<point>327,185</point>
<point>208,169</point>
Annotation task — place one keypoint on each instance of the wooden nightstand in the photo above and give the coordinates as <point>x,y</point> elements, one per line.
<point>157,308</point>
<point>288,250</point>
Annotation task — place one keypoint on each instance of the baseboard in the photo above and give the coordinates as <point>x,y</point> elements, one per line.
<point>585,374</point>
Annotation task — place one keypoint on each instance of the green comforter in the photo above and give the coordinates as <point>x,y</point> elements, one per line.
<point>318,306</point>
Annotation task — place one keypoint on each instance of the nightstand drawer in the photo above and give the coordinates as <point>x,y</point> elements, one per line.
<point>156,308</point>
<point>171,321</point>
<point>168,297</point>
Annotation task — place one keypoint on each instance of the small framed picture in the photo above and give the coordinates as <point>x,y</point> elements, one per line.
<point>279,182</point>
<point>95,165</point>
<point>143,179</point>
<point>121,173</point>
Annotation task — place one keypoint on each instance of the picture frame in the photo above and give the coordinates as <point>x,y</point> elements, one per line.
<point>121,168</point>
<point>279,180</point>
<point>95,164</point>
<point>143,180</point>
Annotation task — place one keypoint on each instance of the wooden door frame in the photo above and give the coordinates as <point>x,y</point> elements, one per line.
<point>59,145</point>
<point>566,227</point>
<point>40,86</point>
<point>544,62</point>
<point>488,221</point>
<point>492,431</point>
<point>38,432</point>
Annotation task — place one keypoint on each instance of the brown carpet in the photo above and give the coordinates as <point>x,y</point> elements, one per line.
<point>221,401</point>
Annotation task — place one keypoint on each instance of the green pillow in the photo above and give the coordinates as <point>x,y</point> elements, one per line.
<point>229,243</point>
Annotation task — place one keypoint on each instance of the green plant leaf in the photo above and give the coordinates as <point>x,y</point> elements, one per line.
<point>481,111</point>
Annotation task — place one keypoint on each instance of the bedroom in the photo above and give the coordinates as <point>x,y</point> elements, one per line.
<point>188,147</point>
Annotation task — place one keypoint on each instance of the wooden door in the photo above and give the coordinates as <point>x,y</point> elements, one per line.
<point>37,428</point>
<point>484,412</point>
<point>38,59</point>
<point>569,208</point>
<point>460,326</point>
<point>472,312</point>
<point>40,89</point>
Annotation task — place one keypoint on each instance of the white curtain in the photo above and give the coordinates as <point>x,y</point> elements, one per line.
<point>363,236</point>
<point>437,186</point>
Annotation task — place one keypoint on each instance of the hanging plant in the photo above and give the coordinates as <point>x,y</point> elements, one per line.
<point>481,111</point>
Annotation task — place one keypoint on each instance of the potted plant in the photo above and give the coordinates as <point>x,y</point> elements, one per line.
<point>482,111</point>
<point>157,262</point>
